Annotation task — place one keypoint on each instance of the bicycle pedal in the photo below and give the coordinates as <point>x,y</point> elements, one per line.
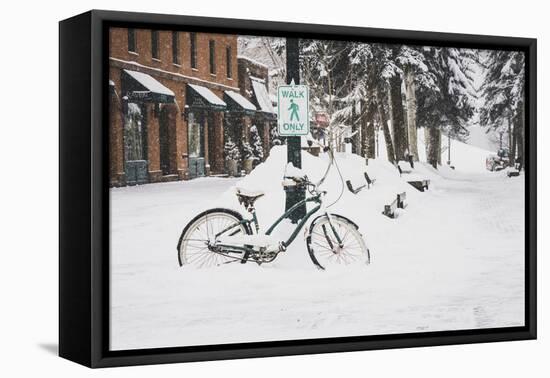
<point>246,255</point>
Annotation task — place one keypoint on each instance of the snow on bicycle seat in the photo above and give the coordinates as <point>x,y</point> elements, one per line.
<point>252,194</point>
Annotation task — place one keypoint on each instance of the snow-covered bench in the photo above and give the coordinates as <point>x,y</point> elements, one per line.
<point>403,168</point>
<point>400,202</point>
<point>358,189</point>
<point>515,172</point>
<point>407,167</point>
<point>420,185</point>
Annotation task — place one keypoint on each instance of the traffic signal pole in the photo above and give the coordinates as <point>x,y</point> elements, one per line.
<point>294,153</point>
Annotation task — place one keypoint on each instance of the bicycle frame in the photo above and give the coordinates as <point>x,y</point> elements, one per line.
<point>246,249</point>
<point>301,223</point>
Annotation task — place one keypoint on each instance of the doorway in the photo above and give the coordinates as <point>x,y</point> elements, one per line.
<point>135,144</point>
<point>195,145</point>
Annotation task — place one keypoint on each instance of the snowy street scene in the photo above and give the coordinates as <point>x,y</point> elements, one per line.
<point>452,260</point>
<point>383,195</point>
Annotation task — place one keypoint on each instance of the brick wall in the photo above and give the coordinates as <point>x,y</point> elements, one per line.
<point>118,48</point>
<point>248,68</point>
<point>175,77</point>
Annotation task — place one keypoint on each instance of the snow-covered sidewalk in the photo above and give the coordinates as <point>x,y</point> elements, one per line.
<point>453,260</point>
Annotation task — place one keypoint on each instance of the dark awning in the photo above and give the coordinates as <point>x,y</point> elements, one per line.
<point>262,97</point>
<point>200,97</point>
<point>139,86</point>
<point>238,103</point>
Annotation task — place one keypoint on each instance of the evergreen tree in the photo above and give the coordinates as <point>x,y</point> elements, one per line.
<point>452,105</point>
<point>366,86</point>
<point>247,152</point>
<point>325,68</point>
<point>256,145</point>
<point>374,67</point>
<point>412,62</point>
<point>231,150</point>
<point>400,137</point>
<point>503,90</point>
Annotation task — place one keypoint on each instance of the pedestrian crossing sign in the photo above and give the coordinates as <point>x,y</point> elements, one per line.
<point>293,110</point>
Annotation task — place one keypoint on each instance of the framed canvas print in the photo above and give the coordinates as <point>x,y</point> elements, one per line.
<point>234,188</point>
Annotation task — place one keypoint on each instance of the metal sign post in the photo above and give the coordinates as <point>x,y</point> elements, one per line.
<point>294,153</point>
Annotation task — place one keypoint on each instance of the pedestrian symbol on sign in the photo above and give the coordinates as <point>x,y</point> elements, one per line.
<point>293,110</point>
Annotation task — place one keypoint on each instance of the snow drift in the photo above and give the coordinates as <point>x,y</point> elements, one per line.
<point>452,260</point>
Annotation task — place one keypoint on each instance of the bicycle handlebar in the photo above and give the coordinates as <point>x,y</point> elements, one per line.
<point>303,180</point>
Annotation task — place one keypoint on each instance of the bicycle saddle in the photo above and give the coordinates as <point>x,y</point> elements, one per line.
<point>248,197</point>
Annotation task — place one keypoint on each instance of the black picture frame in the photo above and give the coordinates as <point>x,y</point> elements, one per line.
<point>83,196</point>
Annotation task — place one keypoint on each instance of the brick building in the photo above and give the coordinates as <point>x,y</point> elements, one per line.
<point>254,84</point>
<point>172,95</point>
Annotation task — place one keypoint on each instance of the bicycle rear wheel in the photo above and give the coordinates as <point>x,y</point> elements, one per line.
<point>325,250</point>
<point>194,246</point>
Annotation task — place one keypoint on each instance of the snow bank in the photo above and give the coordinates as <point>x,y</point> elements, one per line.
<point>364,208</point>
<point>453,259</point>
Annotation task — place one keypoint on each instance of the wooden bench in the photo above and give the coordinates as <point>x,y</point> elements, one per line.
<point>420,185</point>
<point>369,181</point>
<point>403,171</point>
<point>358,189</point>
<point>518,167</point>
<point>400,202</point>
<point>352,189</point>
<point>410,161</point>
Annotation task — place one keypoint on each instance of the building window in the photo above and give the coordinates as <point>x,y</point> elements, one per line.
<point>195,144</point>
<point>132,40</point>
<point>193,44</point>
<point>212,47</point>
<point>155,44</point>
<point>134,133</point>
<point>228,62</point>
<point>176,47</point>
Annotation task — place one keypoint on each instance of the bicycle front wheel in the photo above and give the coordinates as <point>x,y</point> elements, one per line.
<point>326,251</point>
<point>194,246</point>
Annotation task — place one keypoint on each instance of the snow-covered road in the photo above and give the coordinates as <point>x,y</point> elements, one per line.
<point>453,260</point>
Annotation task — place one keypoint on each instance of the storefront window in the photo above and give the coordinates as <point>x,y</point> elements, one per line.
<point>133,133</point>
<point>233,128</point>
<point>195,137</point>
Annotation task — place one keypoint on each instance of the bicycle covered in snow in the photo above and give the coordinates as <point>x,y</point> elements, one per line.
<point>220,236</point>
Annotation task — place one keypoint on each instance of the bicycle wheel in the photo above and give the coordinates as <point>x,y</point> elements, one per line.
<point>323,246</point>
<point>199,234</point>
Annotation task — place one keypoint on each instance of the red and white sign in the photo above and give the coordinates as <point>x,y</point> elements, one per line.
<point>321,119</point>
